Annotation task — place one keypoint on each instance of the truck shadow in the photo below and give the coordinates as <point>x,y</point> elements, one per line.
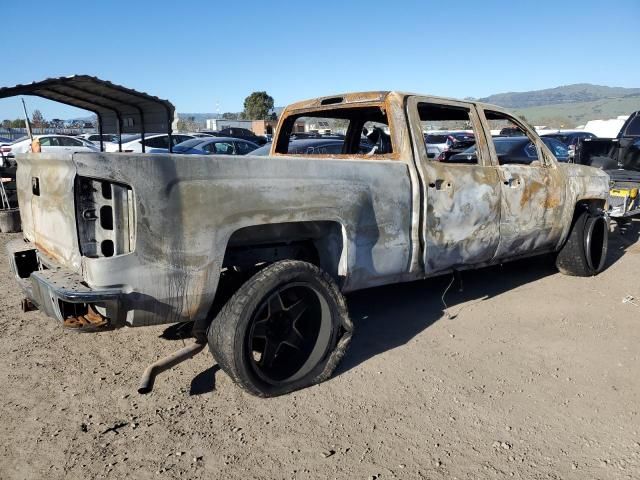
<point>388,317</point>
<point>621,239</point>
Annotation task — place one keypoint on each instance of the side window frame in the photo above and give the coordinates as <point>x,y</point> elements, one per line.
<point>286,126</point>
<point>545,160</point>
<point>484,156</point>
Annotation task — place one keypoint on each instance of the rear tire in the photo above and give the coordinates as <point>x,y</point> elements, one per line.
<point>585,251</point>
<point>284,329</point>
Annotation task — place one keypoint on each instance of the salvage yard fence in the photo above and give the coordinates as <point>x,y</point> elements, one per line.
<point>16,133</point>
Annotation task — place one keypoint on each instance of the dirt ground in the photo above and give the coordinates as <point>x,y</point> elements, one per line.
<point>537,375</point>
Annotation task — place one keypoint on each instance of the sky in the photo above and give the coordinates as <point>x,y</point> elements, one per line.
<point>207,56</point>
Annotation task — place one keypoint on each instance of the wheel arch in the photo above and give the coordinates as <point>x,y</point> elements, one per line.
<point>320,242</point>
<point>592,205</point>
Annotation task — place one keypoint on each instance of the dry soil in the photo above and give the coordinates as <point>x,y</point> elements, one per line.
<point>536,375</point>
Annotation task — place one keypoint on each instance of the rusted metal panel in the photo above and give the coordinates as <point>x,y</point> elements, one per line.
<point>186,211</point>
<point>345,99</point>
<point>401,217</point>
<point>463,215</point>
<point>461,211</point>
<point>48,216</point>
<point>532,209</point>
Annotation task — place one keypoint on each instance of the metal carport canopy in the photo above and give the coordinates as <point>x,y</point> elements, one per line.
<point>119,109</point>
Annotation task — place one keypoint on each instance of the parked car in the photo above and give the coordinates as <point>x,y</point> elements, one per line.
<point>200,135</point>
<point>452,142</point>
<point>510,132</point>
<point>314,146</point>
<point>95,137</point>
<point>436,143</point>
<point>242,133</point>
<point>570,139</point>
<point>50,143</point>
<point>259,251</point>
<point>158,142</point>
<point>215,146</point>
<point>558,148</point>
<point>514,150</point>
<point>4,142</point>
<point>456,143</point>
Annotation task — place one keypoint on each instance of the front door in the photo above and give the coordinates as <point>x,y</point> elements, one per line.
<point>461,189</point>
<point>533,187</point>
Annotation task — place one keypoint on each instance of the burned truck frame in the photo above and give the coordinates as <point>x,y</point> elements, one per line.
<point>258,251</point>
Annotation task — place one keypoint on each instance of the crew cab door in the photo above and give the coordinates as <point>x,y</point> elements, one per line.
<point>533,187</point>
<point>460,188</point>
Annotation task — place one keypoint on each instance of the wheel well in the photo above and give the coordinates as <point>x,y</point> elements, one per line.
<point>252,248</point>
<point>590,205</point>
<point>319,242</point>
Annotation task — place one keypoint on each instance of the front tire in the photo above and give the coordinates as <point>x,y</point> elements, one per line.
<point>284,329</point>
<point>585,251</point>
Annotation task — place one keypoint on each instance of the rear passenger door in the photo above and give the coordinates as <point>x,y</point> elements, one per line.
<point>461,192</point>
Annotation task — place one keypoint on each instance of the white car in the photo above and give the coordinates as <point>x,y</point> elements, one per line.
<point>95,137</point>
<point>133,143</point>
<point>436,143</point>
<point>50,143</point>
<point>440,142</point>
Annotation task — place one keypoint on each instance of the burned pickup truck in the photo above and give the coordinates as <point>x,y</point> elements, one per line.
<point>258,251</point>
<point>620,158</point>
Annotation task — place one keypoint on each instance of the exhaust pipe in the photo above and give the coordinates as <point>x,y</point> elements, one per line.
<point>149,375</point>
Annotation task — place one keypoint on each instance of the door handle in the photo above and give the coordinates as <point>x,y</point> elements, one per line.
<point>440,184</point>
<point>513,182</point>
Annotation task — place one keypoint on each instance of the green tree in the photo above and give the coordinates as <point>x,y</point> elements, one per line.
<point>230,116</point>
<point>257,106</point>
<point>38,119</point>
<point>18,123</point>
<point>6,124</point>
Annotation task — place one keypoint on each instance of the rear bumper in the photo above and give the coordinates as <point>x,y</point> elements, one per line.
<point>59,293</point>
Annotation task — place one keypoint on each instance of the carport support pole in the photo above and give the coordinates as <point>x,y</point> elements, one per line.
<point>142,129</point>
<point>169,128</point>
<point>100,131</point>
<point>119,133</point>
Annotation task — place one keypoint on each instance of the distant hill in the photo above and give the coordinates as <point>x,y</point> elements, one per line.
<point>577,93</point>
<point>579,113</point>
<point>570,105</point>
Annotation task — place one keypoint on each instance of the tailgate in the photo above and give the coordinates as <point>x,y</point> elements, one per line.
<point>45,185</point>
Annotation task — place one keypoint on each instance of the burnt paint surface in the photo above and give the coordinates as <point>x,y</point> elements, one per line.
<point>532,209</point>
<point>395,226</point>
<point>186,211</point>
<point>463,215</point>
<point>48,219</point>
